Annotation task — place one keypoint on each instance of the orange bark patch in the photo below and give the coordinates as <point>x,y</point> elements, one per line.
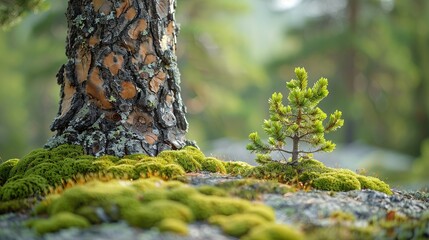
<point>131,14</point>
<point>95,89</point>
<point>145,53</point>
<point>113,62</point>
<point>94,40</point>
<point>124,5</point>
<point>169,99</point>
<point>69,92</point>
<point>157,81</point>
<point>151,138</point>
<point>103,6</point>
<point>128,90</point>
<point>82,64</point>
<point>137,28</point>
<point>150,58</point>
<point>170,28</point>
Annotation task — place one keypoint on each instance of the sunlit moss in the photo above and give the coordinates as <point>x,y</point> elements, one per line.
<point>237,225</point>
<point>28,186</point>
<point>60,221</point>
<point>274,232</point>
<point>237,167</point>
<point>5,168</point>
<point>174,226</point>
<point>212,164</point>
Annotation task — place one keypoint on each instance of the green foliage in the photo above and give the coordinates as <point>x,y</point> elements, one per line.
<point>12,11</point>
<point>301,121</point>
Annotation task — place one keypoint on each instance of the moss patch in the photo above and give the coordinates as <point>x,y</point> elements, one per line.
<point>66,163</point>
<point>274,232</point>
<point>60,221</point>
<point>313,173</point>
<point>147,203</point>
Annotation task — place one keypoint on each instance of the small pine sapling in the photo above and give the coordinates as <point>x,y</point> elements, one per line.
<point>299,122</point>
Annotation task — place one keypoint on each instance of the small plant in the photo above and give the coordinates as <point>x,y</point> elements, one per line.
<point>300,121</point>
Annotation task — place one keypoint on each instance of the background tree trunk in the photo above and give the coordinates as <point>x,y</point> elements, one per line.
<point>120,89</point>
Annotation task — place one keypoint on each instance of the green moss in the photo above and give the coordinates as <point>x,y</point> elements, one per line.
<point>190,158</point>
<point>150,214</point>
<point>28,186</point>
<point>252,188</point>
<point>273,232</point>
<point>212,164</point>
<point>123,171</point>
<point>50,171</point>
<point>101,164</point>
<point>237,167</point>
<point>314,173</point>
<point>172,171</point>
<point>5,168</point>
<point>58,222</point>
<point>43,156</point>
<point>336,181</point>
<point>137,156</point>
<point>127,161</point>
<point>16,205</point>
<point>237,225</point>
<point>149,169</point>
<point>109,158</point>
<point>263,211</point>
<point>212,190</point>
<point>181,193</point>
<point>374,184</point>
<point>204,206</point>
<point>153,195</point>
<point>93,193</point>
<point>173,225</point>
<point>273,170</point>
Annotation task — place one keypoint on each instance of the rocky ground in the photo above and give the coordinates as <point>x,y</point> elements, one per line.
<point>403,215</point>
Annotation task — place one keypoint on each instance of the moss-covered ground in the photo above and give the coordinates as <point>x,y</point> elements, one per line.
<point>65,188</point>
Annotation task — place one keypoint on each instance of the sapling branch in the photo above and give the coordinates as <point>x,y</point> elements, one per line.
<point>300,121</point>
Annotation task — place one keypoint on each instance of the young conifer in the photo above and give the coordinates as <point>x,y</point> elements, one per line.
<point>300,121</point>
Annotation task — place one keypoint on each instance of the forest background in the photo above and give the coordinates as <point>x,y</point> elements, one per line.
<point>234,54</point>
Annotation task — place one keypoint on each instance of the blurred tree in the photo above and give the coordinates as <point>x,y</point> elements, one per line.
<point>380,48</point>
<point>222,83</point>
<point>12,10</point>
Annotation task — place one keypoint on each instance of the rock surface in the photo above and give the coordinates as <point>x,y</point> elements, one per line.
<point>302,209</point>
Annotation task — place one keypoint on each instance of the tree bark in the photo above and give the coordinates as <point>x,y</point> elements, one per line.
<point>120,90</point>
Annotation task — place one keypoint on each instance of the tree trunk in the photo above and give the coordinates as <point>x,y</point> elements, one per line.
<point>120,89</point>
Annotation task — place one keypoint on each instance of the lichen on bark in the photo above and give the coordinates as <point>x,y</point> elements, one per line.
<point>120,90</point>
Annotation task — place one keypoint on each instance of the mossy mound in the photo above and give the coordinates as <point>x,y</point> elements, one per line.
<point>148,203</point>
<point>274,232</point>
<point>313,173</point>
<point>23,178</point>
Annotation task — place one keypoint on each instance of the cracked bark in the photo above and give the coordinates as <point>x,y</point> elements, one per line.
<point>120,90</point>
